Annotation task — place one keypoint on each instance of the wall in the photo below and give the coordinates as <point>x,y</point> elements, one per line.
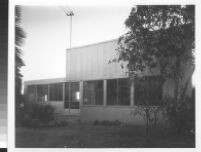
<point>92,62</point>
<point>60,110</point>
<point>112,113</point>
<point>123,113</point>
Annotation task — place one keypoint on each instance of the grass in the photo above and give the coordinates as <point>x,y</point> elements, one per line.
<point>82,135</point>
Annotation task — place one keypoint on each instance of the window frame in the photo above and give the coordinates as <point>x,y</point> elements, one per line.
<point>37,93</point>
<point>68,87</point>
<point>117,103</point>
<point>34,93</point>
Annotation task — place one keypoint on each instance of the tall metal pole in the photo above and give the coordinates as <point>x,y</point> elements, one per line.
<point>70,14</point>
<point>70,30</point>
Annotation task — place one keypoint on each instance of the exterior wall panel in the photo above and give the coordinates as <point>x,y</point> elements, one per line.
<point>112,113</point>
<point>92,62</point>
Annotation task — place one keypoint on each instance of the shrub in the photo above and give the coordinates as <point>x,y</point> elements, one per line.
<point>150,117</point>
<point>181,115</point>
<point>96,122</point>
<point>39,115</point>
<point>107,123</point>
<point>117,123</point>
<point>46,113</point>
<point>19,110</point>
<point>63,123</point>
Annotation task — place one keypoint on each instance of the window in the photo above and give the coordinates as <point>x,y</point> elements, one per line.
<point>123,92</point>
<point>31,93</point>
<point>111,92</point>
<point>56,92</point>
<point>72,93</point>
<point>118,92</point>
<point>93,93</point>
<point>67,95</point>
<point>42,93</point>
<point>148,91</point>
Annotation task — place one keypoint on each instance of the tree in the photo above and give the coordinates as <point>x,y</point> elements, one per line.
<point>19,40</point>
<point>162,37</point>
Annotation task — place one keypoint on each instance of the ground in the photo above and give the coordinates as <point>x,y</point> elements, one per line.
<point>82,135</point>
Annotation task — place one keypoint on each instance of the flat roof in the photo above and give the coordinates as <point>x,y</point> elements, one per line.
<point>88,45</point>
<point>45,81</point>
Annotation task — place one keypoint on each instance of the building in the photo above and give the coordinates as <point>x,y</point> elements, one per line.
<point>95,89</point>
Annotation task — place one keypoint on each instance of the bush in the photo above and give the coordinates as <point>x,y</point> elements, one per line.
<point>107,123</point>
<point>45,113</point>
<point>19,109</point>
<point>96,122</point>
<point>150,117</point>
<point>117,123</point>
<point>181,115</point>
<point>39,115</point>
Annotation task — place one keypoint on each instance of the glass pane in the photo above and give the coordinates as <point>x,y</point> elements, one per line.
<point>99,92</point>
<point>73,95</point>
<point>56,92</point>
<point>42,92</point>
<point>123,92</point>
<point>148,91</point>
<point>31,93</point>
<point>67,89</point>
<point>93,93</point>
<point>111,92</point>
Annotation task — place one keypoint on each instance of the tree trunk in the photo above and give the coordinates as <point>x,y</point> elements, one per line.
<point>147,122</point>
<point>177,87</point>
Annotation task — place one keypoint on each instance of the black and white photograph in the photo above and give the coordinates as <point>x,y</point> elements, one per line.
<point>108,76</point>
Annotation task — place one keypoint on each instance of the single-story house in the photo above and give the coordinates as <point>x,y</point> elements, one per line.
<point>95,89</point>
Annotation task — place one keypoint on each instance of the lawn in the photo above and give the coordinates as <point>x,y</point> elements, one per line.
<point>82,135</point>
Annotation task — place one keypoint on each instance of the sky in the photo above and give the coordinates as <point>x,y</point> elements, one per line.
<point>47,31</point>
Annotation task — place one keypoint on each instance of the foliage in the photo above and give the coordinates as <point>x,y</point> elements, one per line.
<point>159,37</point>
<point>19,40</point>
<point>149,115</point>
<point>157,32</point>
<point>144,92</point>
<point>20,111</point>
<point>96,122</point>
<point>181,115</point>
<point>39,115</point>
<point>107,123</point>
<point>44,113</point>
